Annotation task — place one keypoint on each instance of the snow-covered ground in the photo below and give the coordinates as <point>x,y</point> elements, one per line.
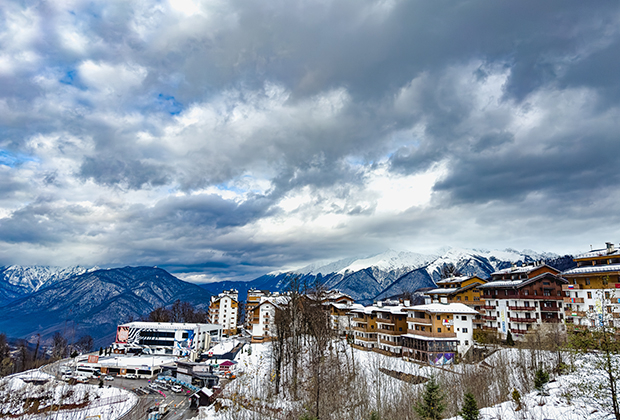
<point>507,369</point>
<point>23,399</point>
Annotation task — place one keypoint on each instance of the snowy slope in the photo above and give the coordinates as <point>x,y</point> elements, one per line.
<point>18,281</point>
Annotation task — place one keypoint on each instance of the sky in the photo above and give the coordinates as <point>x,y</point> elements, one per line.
<point>222,140</point>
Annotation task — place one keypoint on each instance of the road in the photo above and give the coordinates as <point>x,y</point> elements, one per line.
<point>178,403</point>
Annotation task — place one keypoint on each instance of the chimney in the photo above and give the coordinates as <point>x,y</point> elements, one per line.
<point>610,247</point>
<point>380,304</point>
<point>443,299</point>
<point>407,302</point>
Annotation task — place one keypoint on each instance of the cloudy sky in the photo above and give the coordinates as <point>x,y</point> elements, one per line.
<point>225,139</point>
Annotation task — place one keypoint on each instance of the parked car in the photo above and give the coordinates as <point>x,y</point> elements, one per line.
<point>67,378</point>
<point>131,376</point>
<point>109,378</point>
<point>82,379</point>
<point>176,388</point>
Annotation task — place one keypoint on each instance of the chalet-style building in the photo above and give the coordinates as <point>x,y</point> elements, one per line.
<point>437,332</point>
<point>364,325</point>
<point>518,299</point>
<point>461,289</point>
<point>592,293</point>
<point>224,311</point>
<point>262,317</point>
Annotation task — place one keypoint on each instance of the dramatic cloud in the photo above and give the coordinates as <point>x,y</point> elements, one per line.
<point>225,139</point>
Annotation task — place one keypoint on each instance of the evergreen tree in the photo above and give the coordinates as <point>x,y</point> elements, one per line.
<point>509,339</point>
<point>470,408</point>
<point>432,403</point>
<point>540,379</point>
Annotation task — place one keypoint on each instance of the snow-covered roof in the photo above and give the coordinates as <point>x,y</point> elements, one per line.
<point>398,310</point>
<point>502,283</point>
<point>171,326</point>
<point>598,253</point>
<point>440,291</point>
<point>137,361</point>
<point>593,269</point>
<point>451,308</point>
<point>458,279</point>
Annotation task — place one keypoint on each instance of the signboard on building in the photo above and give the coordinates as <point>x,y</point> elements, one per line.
<point>93,359</point>
<point>122,334</point>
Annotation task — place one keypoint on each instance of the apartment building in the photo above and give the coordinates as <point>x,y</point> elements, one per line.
<point>519,299</point>
<point>224,311</point>
<point>592,294</point>
<point>262,317</point>
<point>438,332</point>
<point>461,289</point>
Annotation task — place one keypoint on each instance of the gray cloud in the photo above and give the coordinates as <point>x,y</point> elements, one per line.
<point>253,135</point>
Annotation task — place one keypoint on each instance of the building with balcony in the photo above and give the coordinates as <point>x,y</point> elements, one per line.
<point>438,332</point>
<point>262,317</point>
<point>591,297</point>
<point>461,289</point>
<point>224,311</point>
<point>521,298</point>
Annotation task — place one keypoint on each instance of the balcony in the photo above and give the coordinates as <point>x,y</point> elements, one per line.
<point>424,321</point>
<point>570,287</point>
<point>485,328</point>
<point>518,331</point>
<point>390,343</point>
<point>489,318</point>
<point>569,313</point>
<point>359,320</point>
<point>489,307</point>
<point>522,308</point>
<point>389,332</point>
<point>572,300</point>
<point>433,334</point>
<point>549,309</point>
<point>367,339</point>
<point>360,329</point>
<point>522,319</point>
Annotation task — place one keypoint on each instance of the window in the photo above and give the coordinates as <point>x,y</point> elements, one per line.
<point>466,298</point>
<point>587,280</point>
<point>438,330</point>
<point>526,292</point>
<point>438,317</point>
<point>467,342</point>
<point>589,295</point>
<point>606,295</point>
<point>464,318</point>
<point>465,330</point>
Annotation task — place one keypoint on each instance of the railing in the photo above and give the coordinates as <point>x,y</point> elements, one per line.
<point>489,318</point>
<point>518,331</point>
<point>522,319</point>
<point>569,313</point>
<point>389,332</point>
<point>489,307</point>
<point>359,328</point>
<point>549,309</point>
<point>522,308</point>
<point>433,334</point>
<point>390,343</point>
<point>367,339</point>
<point>424,321</point>
<point>572,300</point>
<point>485,328</point>
<point>570,286</point>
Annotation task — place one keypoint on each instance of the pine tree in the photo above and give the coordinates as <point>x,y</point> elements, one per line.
<point>509,340</point>
<point>470,408</point>
<point>432,403</point>
<point>540,379</point>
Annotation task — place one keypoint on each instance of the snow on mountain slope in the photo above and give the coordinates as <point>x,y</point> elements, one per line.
<point>482,262</point>
<point>17,281</point>
<point>386,261</point>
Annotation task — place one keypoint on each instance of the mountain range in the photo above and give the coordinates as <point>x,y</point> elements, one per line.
<point>77,300</point>
<point>392,273</point>
<point>95,302</point>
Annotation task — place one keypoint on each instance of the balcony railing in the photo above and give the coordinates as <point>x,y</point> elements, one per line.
<point>572,300</point>
<point>522,319</point>
<point>517,331</point>
<point>522,308</point>
<point>489,318</point>
<point>549,309</point>
<point>569,313</point>
<point>390,343</point>
<point>424,321</point>
<point>570,286</point>
<point>485,328</point>
<point>389,332</point>
<point>359,328</point>
<point>489,307</point>
<point>433,334</point>
<point>356,319</point>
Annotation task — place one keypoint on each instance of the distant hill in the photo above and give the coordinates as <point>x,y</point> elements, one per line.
<point>96,302</point>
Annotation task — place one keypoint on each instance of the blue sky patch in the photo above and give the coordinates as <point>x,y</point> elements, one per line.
<point>12,160</point>
<point>169,104</point>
